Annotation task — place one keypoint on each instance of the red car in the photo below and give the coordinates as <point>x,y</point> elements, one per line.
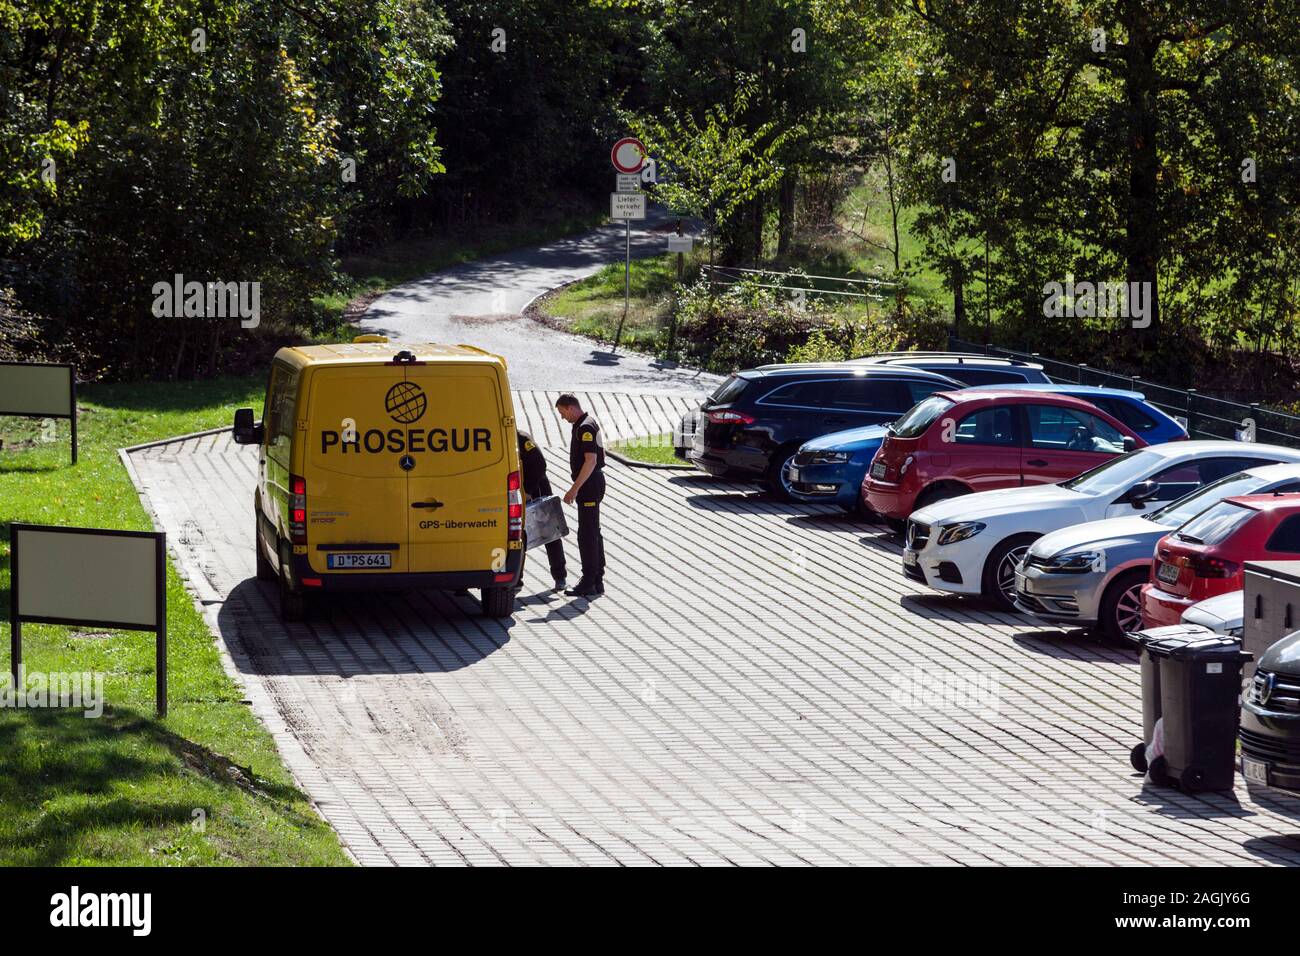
<point>957,442</point>
<point>1203,558</point>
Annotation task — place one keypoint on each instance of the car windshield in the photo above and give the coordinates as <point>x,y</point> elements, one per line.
<point>1189,506</point>
<point>921,416</point>
<point>1111,476</point>
<point>1215,523</point>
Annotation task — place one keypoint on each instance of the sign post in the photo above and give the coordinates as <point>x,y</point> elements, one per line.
<point>40,390</point>
<point>628,155</point>
<point>89,576</point>
<point>680,244</point>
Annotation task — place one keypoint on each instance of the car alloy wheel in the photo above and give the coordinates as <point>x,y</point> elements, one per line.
<point>1007,572</point>
<point>1128,610</point>
<point>786,485</point>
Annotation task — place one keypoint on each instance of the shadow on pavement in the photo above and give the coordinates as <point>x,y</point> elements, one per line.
<point>1275,849</point>
<point>1074,645</point>
<point>411,632</point>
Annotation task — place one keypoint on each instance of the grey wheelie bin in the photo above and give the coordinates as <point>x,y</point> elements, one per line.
<point>1150,664</point>
<point>1200,706</point>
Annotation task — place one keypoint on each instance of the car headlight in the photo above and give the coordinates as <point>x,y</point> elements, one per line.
<point>1074,562</point>
<point>828,457</point>
<point>951,534</point>
<point>1236,631</point>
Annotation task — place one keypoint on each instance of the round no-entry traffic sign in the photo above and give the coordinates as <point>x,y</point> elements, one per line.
<point>628,155</point>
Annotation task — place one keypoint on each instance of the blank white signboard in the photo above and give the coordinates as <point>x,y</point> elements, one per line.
<point>102,578</point>
<point>35,390</point>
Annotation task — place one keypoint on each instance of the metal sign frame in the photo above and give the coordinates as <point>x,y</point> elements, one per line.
<point>72,397</point>
<point>17,617</point>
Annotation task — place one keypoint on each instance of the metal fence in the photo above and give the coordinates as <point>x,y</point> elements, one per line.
<point>1205,416</point>
<point>870,290</point>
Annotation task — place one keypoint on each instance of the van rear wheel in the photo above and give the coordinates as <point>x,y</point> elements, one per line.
<point>293,603</point>
<point>498,602</point>
<point>265,569</point>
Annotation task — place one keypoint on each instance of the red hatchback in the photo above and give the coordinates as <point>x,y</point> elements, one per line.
<point>954,443</point>
<point>1203,558</point>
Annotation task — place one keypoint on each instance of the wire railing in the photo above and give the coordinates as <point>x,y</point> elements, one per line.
<point>1204,416</point>
<point>870,290</point>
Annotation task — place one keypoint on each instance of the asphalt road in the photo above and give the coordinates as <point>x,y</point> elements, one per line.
<point>480,303</point>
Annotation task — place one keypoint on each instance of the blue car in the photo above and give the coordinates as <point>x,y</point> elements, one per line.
<point>830,469</point>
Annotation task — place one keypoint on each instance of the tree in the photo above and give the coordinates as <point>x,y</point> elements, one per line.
<point>715,167</point>
<point>205,139</point>
<point>1108,139</point>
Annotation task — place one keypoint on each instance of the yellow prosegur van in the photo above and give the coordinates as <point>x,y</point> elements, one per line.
<point>387,466</point>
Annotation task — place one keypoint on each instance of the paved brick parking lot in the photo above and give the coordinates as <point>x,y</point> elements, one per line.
<point>752,689</point>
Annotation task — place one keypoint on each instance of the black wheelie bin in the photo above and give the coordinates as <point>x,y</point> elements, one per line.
<point>1200,706</point>
<point>1150,664</point>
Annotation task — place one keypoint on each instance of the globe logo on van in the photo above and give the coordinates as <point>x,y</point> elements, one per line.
<point>405,402</point>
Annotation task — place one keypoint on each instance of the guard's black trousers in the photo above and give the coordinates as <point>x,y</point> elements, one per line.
<point>591,544</point>
<point>554,549</point>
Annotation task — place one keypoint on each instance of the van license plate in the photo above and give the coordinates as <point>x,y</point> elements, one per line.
<point>878,470</point>
<point>358,559</point>
<point>1256,771</point>
<point>1168,573</point>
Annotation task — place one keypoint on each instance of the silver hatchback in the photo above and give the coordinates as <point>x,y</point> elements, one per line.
<point>1090,574</point>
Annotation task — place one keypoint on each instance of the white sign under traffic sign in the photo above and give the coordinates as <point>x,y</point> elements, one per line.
<point>629,182</point>
<point>627,205</point>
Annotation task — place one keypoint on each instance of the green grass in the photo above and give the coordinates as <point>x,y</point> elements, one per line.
<point>856,248</point>
<point>655,449</point>
<point>205,785</point>
<point>594,306</point>
<point>379,269</point>
<point>861,245</point>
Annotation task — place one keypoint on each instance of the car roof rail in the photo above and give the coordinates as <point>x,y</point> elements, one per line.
<point>960,358</point>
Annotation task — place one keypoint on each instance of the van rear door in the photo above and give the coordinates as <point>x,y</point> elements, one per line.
<point>356,487</point>
<point>457,519</point>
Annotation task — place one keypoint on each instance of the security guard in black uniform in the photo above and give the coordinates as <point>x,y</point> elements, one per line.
<point>587,463</point>
<point>536,485</point>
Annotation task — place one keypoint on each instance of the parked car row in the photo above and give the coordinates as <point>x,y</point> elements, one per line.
<point>1074,505</point>
<point>1092,574</point>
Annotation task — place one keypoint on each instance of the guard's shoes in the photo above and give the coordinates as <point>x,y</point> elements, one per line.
<point>560,584</point>
<point>585,589</point>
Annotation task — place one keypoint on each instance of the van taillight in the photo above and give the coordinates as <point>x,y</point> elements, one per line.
<point>515,507</point>
<point>1212,567</point>
<point>297,510</point>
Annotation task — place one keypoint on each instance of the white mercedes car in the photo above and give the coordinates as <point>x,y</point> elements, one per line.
<point>1223,614</point>
<point>973,544</point>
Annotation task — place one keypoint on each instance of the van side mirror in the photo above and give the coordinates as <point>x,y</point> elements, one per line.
<point>247,431</point>
<point>1129,444</point>
<point>1142,492</point>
